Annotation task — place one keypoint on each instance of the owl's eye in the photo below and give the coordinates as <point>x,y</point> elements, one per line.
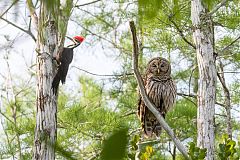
<point>163,64</point>
<point>154,65</point>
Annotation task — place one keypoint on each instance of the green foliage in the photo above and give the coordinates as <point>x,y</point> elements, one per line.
<point>89,120</point>
<point>183,119</point>
<point>63,17</point>
<point>63,152</point>
<point>147,153</point>
<point>227,148</point>
<point>114,148</point>
<point>209,4</point>
<point>134,147</point>
<point>236,88</point>
<point>52,7</point>
<point>196,153</point>
<point>148,8</point>
<point>229,16</point>
<point>17,124</point>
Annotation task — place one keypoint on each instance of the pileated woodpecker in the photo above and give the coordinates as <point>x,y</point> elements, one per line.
<point>64,59</point>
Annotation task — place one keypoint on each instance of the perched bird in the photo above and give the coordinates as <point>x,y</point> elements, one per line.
<point>64,58</point>
<point>161,91</point>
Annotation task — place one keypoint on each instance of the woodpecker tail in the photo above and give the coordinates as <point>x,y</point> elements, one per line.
<point>56,82</point>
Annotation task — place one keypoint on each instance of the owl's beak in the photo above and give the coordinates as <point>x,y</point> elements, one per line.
<point>158,71</point>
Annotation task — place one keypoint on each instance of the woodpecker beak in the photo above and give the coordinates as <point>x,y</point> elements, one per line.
<point>76,41</point>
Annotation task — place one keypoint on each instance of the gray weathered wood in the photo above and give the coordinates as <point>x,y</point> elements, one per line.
<point>203,39</point>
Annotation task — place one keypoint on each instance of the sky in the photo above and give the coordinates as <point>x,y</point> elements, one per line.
<point>92,58</point>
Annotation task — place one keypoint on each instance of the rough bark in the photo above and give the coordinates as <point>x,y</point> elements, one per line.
<point>50,40</point>
<point>46,101</point>
<point>203,39</point>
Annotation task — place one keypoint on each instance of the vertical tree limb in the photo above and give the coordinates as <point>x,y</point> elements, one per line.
<point>227,99</point>
<point>146,100</point>
<point>33,14</point>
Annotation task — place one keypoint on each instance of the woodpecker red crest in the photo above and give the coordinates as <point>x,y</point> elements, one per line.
<point>79,38</point>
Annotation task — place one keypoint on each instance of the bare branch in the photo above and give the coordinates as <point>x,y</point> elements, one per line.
<point>14,2</point>
<point>195,96</point>
<point>227,47</point>
<point>226,99</point>
<point>97,17</point>
<point>230,44</point>
<point>181,33</point>
<point>103,75</point>
<point>217,7</point>
<point>5,116</point>
<point>190,79</point>
<point>33,14</point>
<point>230,72</point>
<point>186,97</point>
<point>128,114</point>
<point>16,26</point>
<point>102,37</point>
<point>85,4</point>
<point>146,100</point>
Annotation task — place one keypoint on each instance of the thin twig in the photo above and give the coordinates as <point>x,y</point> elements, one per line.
<point>230,72</point>
<point>195,96</point>
<point>102,37</point>
<point>146,100</point>
<point>103,75</point>
<point>128,114</point>
<point>186,97</point>
<point>97,17</point>
<point>227,100</point>
<point>229,45</point>
<point>14,2</point>
<point>32,11</point>
<point>190,79</point>
<point>16,26</point>
<point>85,4</point>
<point>181,33</point>
<point>217,7</point>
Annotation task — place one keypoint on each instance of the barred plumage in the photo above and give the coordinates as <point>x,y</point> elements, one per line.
<point>161,90</point>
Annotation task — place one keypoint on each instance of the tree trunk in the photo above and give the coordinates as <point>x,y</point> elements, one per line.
<point>203,38</point>
<point>46,116</point>
<point>52,26</point>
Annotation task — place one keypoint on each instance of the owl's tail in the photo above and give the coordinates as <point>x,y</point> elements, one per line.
<point>152,126</point>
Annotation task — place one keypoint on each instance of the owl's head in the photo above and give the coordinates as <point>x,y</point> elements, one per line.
<point>159,66</point>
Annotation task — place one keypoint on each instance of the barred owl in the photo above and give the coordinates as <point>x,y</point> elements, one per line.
<point>161,90</point>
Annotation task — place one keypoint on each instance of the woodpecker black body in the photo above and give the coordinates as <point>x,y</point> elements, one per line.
<point>64,59</point>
